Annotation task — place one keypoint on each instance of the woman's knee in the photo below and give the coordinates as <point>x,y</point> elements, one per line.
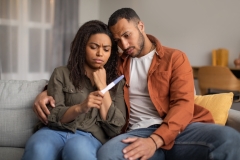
<point>43,144</point>
<point>42,150</point>
<point>82,146</point>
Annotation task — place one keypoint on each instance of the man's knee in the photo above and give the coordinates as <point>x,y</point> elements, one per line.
<point>229,135</point>
<point>112,149</point>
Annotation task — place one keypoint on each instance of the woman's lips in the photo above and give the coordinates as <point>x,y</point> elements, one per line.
<point>98,61</point>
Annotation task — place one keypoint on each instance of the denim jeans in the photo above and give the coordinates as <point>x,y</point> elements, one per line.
<point>199,141</point>
<point>48,144</point>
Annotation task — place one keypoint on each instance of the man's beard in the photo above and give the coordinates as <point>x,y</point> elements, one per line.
<point>141,41</point>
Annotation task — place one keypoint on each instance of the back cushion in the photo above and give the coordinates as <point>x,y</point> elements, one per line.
<point>17,118</point>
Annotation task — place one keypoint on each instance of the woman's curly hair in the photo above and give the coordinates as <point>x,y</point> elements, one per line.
<point>77,55</point>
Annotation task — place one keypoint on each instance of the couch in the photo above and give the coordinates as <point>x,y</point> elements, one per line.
<point>17,119</point>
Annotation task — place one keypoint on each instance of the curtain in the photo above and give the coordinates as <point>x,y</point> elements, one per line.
<point>0,64</point>
<point>35,36</point>
<point>64,29</point>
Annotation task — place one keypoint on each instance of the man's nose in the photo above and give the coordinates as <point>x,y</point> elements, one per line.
<point>124,44</point>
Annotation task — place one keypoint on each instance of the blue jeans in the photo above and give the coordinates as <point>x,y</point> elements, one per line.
<point>199,141</point>
<point>48,144</point>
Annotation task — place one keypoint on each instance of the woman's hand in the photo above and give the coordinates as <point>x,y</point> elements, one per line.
<point>94,100</point>
<point>99,78</point>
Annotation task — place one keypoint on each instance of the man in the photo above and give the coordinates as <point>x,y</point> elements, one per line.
<point>163,122</point>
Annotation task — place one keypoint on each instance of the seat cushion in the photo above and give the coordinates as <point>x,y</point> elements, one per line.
<point>11,153</point>
<point>217,104</point>
<point>17,118</point>
<point>234,119</point>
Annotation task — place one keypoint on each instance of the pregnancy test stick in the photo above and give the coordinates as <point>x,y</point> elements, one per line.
<point>112,84</point>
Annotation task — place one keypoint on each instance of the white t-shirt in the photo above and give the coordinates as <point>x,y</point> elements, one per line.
<point>142,111</point>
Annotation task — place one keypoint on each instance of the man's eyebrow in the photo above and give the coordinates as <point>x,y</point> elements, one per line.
<point>124,33</point>
<point>115,39</point>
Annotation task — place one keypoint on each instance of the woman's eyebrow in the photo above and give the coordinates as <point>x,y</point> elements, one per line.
<point>107,45</point>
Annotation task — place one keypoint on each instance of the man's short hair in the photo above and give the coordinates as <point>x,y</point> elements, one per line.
<point>128,13</point>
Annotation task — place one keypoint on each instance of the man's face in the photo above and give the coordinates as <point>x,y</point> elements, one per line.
<point>129,37</point>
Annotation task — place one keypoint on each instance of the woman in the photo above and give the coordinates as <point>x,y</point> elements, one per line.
<point>83,118</point>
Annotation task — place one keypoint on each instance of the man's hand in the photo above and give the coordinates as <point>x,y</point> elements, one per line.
<point>143,148</point>
<point>40,107</point>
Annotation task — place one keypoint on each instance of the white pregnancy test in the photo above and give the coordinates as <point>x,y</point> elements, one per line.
<point>112,84</point>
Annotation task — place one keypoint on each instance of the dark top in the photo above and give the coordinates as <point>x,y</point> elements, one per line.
<point>66,95</point>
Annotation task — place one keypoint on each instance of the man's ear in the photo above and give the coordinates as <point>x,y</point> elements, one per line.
<point>141,26</point>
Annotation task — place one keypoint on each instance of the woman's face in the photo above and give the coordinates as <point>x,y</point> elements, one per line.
<point>98,50</point>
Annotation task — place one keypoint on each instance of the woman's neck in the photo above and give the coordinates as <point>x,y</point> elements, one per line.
<point>89,73</point>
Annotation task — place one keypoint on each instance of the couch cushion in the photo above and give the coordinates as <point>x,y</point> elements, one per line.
<point>217,104</point>
<point>11,153</point>
<point>17,118</point>
<point>234,119</point>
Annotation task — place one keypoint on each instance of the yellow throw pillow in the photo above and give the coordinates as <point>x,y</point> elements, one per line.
<point>217,104</point>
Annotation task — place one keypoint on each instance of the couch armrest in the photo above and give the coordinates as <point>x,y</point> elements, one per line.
<point>234,119</point>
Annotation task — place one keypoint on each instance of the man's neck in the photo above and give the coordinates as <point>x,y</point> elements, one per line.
<point>148,46</point>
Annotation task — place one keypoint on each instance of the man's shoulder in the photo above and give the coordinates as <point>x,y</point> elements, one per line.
<point>172,52</point>
<point>163,50</point>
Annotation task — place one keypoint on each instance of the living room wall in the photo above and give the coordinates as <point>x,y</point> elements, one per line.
<point>195,27</point>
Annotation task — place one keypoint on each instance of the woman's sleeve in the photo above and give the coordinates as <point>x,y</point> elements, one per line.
<point>55,89</point>
<point>116,116</point>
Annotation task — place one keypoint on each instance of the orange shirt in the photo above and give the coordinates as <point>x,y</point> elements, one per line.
<point>171,89</point>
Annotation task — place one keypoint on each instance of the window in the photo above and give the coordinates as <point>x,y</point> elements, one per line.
<point>25,38</point>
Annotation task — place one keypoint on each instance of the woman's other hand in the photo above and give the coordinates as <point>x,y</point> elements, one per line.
<point>99,78</point>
